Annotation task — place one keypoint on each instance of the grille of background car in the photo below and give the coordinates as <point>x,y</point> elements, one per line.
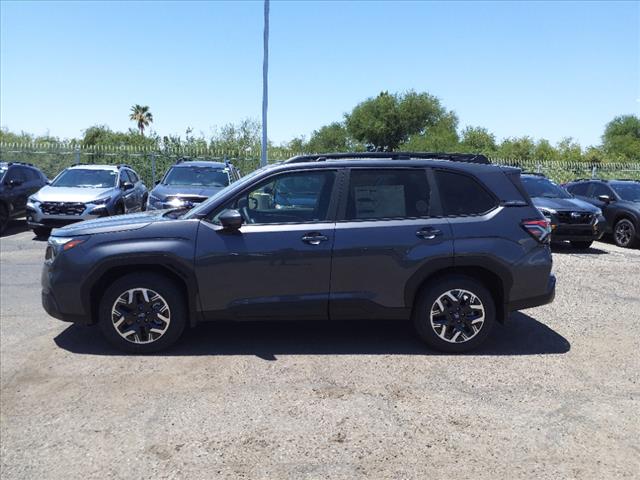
<point>63,208</point>
<point>581,218</point>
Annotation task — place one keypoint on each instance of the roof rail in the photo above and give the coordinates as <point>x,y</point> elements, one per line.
<point>120,165</point>
<point>454,157</point>
<point>537,174</point>
<point>21,163</point>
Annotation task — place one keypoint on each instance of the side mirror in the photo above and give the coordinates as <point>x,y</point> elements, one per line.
<point>16,182</point>
<point>157,182</point>
<point>231,220</point>
<point>127,186</point>
<point>604,198</point>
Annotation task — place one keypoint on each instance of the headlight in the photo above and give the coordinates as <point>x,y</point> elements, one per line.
<point>598,211</point>
<point>547,212</point>
<point>65,243</point>
<point>33,201</point>
<point>100,201</point>
<point>176,202</point>
<point>154,199</point>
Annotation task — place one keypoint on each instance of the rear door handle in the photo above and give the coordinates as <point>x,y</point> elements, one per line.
<point>428,233</point>
<point>314,238</point>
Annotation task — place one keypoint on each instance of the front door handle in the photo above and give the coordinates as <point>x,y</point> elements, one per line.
<point>428,233</point>
<point>314,238</point>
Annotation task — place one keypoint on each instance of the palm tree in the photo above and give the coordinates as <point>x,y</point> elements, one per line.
<point>142,116</point>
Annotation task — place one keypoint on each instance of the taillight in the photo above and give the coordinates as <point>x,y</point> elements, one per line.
<point>538,229</point>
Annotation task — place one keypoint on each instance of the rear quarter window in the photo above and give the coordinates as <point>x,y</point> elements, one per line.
<point>461,194</point>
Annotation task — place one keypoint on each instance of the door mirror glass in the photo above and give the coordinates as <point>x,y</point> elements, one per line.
<point>230,219</point>
<point>127,185</point>
<point>604,198</point>
<point>16,182</point>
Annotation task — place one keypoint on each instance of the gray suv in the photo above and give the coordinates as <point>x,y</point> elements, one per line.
<point>84,192</point>
<point>453,245</point>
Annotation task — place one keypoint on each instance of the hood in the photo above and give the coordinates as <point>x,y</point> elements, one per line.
<point>119,223</point>
<point>164,191</point>
<point>561,204</point>
<point>71,194</point>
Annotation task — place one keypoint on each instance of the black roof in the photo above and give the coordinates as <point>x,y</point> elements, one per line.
<point>200,163</point>
<point>454,157</point>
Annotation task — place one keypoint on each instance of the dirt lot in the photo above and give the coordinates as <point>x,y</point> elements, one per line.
<point>555,393</point>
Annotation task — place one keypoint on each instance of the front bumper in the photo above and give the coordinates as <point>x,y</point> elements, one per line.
<point>36,218</point>
<point>585,233</point>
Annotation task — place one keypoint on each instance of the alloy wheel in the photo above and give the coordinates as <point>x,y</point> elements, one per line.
<point>457,316</point>
<point>623,232</point>
<point>140,315</point>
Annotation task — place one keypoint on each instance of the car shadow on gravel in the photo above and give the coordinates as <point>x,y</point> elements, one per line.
<point>15,227</point>
<point>567,248</point>
<point>522,335</point>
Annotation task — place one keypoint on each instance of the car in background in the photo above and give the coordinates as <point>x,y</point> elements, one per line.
<point>190,182</point>
<point>620,204</point>
<point>83,192</point>
<point>17,181</point>
<point>571,219</point>
<point>453,245</point>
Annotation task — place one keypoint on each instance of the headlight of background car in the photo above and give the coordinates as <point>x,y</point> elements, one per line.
<point>598,212</point>
<point>33,201</point>
<point>100,201</point>
<point>176,202</point>
<point>547,212</point>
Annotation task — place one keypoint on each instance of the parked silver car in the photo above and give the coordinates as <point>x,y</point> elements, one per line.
<point>83,192</point>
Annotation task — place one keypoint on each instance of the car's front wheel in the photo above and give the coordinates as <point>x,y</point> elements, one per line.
<point>4,218</point>
<point>42,232</point>
<point>142,313</point>
<point>624,233</point>
<point>454,314</point>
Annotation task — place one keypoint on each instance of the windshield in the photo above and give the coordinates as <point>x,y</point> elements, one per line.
<point>543,187</point>
<point>204,206</point>
<point>196,176</point>
<point>628,191</point>
<point>85,177</point>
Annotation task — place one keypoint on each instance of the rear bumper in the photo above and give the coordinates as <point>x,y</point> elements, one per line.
<point>536,301</point>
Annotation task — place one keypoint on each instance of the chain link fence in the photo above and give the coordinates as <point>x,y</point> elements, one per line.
<point>151,164</point>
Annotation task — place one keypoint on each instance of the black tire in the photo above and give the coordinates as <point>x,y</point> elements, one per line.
<point>581,245</point>
<point>624,233</point>
<point>168,292</point>
<point>4,217</point>
<point>42,232</point>
<point>426,301</point>
<point>119,210</point>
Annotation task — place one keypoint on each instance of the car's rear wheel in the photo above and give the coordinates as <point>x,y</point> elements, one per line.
<point>581,245</point>
<point>142,313</point>
<point>42,232</point>
<point>624,233</point>
<point>454,314</point>
<point>4,218</point>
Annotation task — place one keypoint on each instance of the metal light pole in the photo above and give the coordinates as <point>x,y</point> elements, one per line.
<point>265,84</point>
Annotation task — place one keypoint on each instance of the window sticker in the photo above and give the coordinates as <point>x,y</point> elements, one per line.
<point>380,201</point>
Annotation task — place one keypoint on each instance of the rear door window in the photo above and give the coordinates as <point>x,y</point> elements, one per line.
<point>579,188</point>
<point>461,194</point>
<point>386,194</point>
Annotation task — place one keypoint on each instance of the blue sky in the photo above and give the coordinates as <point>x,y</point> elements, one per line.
<point>542,69</point>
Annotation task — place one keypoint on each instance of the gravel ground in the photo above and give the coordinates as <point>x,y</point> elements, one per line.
<point>554,394</point>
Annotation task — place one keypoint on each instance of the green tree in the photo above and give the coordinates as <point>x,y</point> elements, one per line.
<point>522,148</point>
<point>386,121</point>
<point>621,139</point>
<point>330,138</point>
<point>441,137</point>
<point>544,150</point>
<point>478,140</point>
<point>568,150</point>
<point>142,116</point>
